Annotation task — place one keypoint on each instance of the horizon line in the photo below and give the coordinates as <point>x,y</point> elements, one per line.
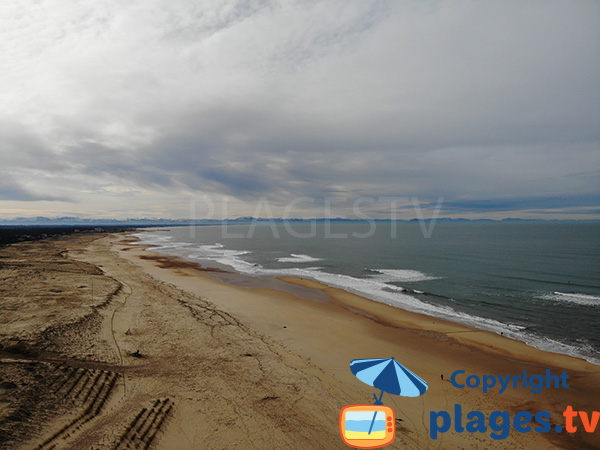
<point>71,220</point>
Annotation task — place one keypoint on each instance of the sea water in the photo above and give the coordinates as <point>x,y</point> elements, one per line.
<point>536,282</point>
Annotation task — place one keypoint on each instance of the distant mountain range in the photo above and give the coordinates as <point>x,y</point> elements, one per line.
<point>152,222</point>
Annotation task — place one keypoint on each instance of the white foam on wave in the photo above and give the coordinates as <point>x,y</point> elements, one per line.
<point>151,238</point>
<point>391,287</point>
<point>581,350</point>
<point>159,241</point>
<point>402,275</point>
<point>293,258</point>
<point>214,252</point>
<point>580,299</point>
<point>217,252</point>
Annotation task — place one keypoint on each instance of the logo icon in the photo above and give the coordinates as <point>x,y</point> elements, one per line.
<point>374,426</point>
<point>367,426</point>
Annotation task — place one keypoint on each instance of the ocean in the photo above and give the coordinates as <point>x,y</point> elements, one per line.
<point>538,282</point>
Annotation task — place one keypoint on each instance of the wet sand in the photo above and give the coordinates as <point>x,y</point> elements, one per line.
<point>162,354</point>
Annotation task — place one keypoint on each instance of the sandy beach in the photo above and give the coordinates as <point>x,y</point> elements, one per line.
<point>106,345</point>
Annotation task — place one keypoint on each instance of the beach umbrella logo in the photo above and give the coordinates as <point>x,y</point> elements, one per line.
<point>388,375</point>
<point>374,426</point>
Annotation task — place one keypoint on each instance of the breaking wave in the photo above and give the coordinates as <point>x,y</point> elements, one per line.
<point>298,259</point>
<point>580,299</point>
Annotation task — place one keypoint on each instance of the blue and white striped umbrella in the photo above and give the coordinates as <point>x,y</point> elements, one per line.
<point>389,376</point>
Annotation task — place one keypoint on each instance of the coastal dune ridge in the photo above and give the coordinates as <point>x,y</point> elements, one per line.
<point>118,345</point>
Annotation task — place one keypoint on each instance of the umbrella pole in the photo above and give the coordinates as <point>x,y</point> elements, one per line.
<point>377,402</point>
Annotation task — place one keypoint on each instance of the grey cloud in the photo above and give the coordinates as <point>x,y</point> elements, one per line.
<point>475,102</point>
<point>516,204</point>
<point>12,190</point>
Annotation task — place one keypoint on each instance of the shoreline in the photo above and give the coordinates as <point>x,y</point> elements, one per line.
<point>234,277</point>
<point>380,312</point>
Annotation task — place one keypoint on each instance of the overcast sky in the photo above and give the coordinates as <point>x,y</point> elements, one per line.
<point>130,109</point>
